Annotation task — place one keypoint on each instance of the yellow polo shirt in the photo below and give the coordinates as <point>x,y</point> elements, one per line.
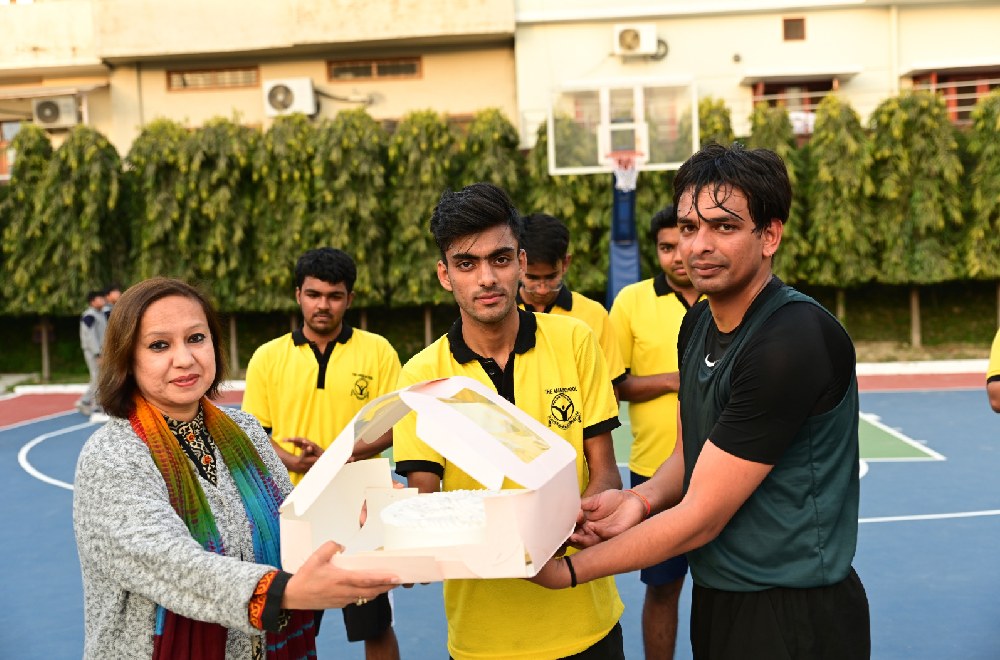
<point>295,392</point>
<point>993,367</point>
<point>647,317</point>
<point>591,312</point>
<point>557,375</point>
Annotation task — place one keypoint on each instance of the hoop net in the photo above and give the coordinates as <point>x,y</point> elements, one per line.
<point>623,164</point>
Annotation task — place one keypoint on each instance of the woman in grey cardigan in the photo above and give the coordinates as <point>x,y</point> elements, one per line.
<point>176,504</point>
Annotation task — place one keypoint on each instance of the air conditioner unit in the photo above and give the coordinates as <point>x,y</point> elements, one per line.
<point>55,112</point>
<point>635,39</point>
<point>283,97</point>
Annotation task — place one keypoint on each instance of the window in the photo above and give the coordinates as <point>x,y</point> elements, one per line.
<point>8,129</point>
<point>794,29</point>
<point>798,98</point>
<point>348,70</point>
<point>961,91</point>
<point>213,78</point>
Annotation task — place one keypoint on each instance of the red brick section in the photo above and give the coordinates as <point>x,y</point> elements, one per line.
<point>883,382</point>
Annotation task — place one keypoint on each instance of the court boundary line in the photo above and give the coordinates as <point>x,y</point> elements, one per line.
<point>931,516</point>
<point>876,421</point>
<point>22,455</point>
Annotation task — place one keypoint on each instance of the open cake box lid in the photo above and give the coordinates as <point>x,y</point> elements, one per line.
<point>472,426</point>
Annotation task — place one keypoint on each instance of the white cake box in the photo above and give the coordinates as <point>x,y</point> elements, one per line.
<point>480,432</point>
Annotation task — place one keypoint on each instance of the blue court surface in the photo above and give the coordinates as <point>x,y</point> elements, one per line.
<point>927,552</point>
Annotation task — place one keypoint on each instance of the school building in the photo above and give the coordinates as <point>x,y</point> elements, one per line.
<point>118,64</point>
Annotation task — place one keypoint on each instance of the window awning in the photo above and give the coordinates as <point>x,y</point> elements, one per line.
<point>951,67</point>
<point>13,93</point>
<point>785,76</point>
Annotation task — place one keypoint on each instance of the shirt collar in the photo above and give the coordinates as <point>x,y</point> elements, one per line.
<point>662,288</point>
<point>563,299</point>
<point>525,338</point>
<point>299,337</point>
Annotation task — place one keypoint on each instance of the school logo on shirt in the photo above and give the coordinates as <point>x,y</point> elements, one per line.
<point>361,387</point>
<point>562,410</point>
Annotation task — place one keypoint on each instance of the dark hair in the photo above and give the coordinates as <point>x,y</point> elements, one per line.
<point>328,264</point>
<point>114,286</point>
<point>94,293</point>
<point>545,239</point>
<point>665,218</point>
<point>759,174</point>
<point>471,210</point>
<point>116,384</point>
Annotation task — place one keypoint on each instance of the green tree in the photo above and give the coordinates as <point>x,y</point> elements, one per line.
<point>489,152</point>
<point>771,129</point>
<point>918,202</point>
<point>73,223</point>
<point>841,234</point>
<point>283,222</point>
<point>982,248</point>
<point>349,179</point>
<point>71,238</point>
<point>34,152</point>
<point>219,209</point>
<point>420,157</point>
<point>161,233</point>
<point>715,123</point>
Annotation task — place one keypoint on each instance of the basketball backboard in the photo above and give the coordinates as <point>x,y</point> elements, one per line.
<point>588,121</point>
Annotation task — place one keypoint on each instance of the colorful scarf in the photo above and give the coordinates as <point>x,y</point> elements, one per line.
<point>178,636</point>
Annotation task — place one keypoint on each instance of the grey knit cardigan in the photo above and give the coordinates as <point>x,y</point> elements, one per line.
<point>136,552</point>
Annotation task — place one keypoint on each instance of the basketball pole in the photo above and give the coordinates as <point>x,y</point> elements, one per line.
<point>623,258</point>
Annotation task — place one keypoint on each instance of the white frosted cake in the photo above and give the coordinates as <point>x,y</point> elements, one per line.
<point>456,517</point>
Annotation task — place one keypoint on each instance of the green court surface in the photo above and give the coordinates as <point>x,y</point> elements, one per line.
<point>878,441</point>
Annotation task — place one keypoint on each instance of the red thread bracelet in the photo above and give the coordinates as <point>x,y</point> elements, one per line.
<point>645,502</point>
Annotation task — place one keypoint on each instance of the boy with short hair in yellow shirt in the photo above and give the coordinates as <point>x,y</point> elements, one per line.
<point>550,367</point>
<point>546,245</point>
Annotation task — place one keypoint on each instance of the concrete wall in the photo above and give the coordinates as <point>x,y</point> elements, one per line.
<point>455,82</point>
<point>153,28</point>
<point>56,34</point>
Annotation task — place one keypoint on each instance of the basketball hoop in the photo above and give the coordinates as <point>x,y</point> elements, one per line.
<point>623,164</point>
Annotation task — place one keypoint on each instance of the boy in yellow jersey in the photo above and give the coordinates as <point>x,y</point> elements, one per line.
<point>304,387</point>
<point>646,317</point>
<point>552,368</point>
<point>993,375</point>
<point>545,241</point>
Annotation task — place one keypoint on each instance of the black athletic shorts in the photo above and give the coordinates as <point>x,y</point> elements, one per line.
<point>829,623</point>
<point>368,621</point>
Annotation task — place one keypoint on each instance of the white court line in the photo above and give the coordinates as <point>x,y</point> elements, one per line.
<point>932,516</point>
<point>38,419</point>
<point>22,456</point>
<point>874,421</point>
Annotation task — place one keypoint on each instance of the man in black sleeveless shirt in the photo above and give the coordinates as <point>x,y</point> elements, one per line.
<point>763,496</point>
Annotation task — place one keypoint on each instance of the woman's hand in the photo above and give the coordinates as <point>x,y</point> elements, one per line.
<point>320,585</point>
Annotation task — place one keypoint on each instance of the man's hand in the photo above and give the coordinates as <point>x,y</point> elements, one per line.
<point>320,585</point>
<point>554,575</point>
<point>606,515</point>
<point>298,462</point>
